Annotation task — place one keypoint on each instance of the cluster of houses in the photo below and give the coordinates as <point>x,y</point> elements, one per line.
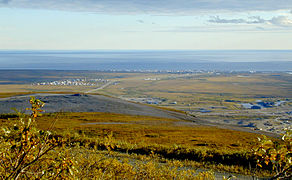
<point>72,82</point>
<point>99,80</point>
<point>152,79</point>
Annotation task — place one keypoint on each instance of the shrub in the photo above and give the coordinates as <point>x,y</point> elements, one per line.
<point>276,155</point>
<point>27,152</point>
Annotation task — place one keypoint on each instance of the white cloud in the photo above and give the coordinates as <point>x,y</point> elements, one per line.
<point>277,21</point>
<point>280,21</point>
<point>151,6</point>
<point>251,20</point>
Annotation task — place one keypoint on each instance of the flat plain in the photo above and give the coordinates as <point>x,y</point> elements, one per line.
<point>206,114</point>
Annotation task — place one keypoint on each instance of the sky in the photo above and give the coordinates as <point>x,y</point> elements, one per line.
<point>145,24</point>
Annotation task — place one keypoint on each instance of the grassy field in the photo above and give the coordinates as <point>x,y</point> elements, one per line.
<point>187,88</point>
<point>151,130</point>
<point>206,147</point>
<point>214,97</point>
<point>165,140</point>
<point>146,129</point>
<point>191,93</point>
<point>204,87</point>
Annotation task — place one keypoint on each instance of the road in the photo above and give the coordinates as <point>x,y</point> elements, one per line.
<point>101,87</point>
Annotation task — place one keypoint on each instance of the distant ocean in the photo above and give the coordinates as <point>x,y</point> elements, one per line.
<point>221,60</point>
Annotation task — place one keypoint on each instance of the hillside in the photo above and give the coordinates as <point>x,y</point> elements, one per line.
<point>100,103</point>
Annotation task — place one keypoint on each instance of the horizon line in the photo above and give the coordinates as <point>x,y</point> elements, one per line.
<point>145,49</point>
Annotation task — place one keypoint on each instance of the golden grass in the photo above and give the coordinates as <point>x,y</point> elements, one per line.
<point>149,130</point>
<point>14,88</point>
<point>168,138</point>
<point>253,85</point>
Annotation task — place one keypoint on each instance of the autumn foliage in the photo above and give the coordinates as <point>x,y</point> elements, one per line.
<point>28,152</point>
<point>276,154</point>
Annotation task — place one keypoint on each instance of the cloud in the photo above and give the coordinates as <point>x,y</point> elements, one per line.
<point>151,6</point>
<point>280,21</point>
<point>277,21</point>
<point>253,20</point>
<point>210,28</point>
<point>225,29</point>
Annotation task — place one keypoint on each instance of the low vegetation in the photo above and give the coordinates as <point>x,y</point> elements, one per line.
<point>26,152</point>
<point>106,146</point>
<point>276,155</point>
<point>30,153</point>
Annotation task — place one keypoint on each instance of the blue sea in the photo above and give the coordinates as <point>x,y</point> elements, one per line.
<point>220,60</point>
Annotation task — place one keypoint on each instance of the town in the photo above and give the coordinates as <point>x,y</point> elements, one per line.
<point>73,82</point>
